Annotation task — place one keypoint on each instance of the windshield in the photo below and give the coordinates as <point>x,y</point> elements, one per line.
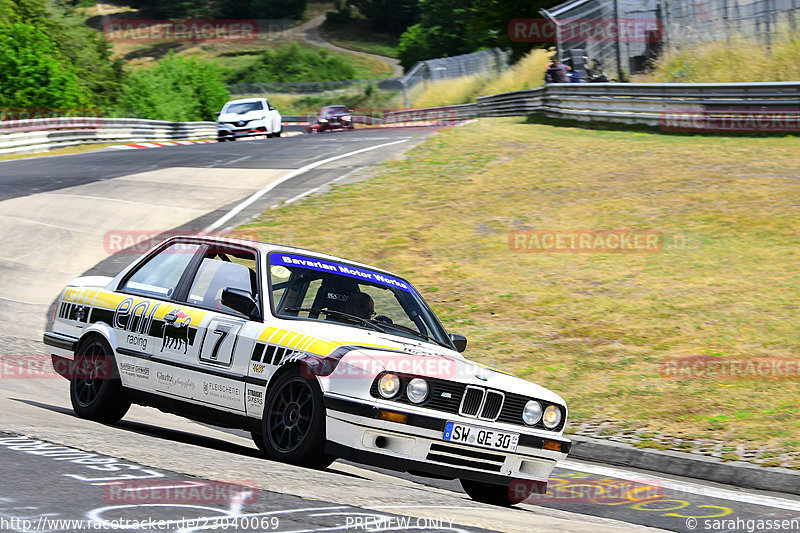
<point>328,291</point>
<point>243,107</point>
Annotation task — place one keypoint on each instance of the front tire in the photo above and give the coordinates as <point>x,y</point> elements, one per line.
<point>94,393</point>
<point>293,424</point>
<point>517,491</point>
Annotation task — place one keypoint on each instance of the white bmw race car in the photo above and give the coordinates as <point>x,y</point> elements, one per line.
<point>318,357</point>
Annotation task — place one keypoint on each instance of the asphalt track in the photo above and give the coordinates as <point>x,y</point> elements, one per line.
<point>56,219</point>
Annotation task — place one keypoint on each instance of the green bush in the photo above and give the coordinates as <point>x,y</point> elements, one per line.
<point>33,73</point>
<point>294,63</point>
<point>176,88</point>
<point>50,43</point>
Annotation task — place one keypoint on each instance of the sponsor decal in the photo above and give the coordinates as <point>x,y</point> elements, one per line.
<point>175,331</point>
<point>338,268</point>
<point>255,396</point>
<point>222,391</point>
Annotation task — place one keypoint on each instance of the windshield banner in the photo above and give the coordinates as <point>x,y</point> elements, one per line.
<point>338,268</point>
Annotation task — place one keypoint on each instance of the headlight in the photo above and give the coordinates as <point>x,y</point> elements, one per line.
<point>417,390</point>
<point>389,385</point>
<point>532,413</point>
<point>346,117</point>
<point>552,416</point>
<point>323,120</point>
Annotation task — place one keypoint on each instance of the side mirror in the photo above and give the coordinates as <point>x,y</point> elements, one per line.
<point>459,341</point>
<point>216,114</point>
<point>241,301</point>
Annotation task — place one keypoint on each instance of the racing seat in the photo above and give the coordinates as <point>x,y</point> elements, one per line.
<point>229,275</point>
<point>333,295</point>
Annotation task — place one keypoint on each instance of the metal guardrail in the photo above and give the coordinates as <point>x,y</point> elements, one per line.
<point>42,134</point>
<point>630,103</point>
<point>643,103</point>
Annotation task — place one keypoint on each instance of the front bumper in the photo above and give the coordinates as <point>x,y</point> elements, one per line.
<point>355,431</point>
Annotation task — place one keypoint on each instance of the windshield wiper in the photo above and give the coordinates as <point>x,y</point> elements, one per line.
<point>414,332</point>
<point>338,314</point>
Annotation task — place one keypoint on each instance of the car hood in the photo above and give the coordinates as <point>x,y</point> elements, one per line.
<point>375,352</point>
<point>235,117</point>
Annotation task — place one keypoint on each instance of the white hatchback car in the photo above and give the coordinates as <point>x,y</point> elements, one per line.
<point>248,117</point>
<point>317,356</point>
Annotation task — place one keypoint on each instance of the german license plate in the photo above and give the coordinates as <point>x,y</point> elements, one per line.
<point>480,437</point>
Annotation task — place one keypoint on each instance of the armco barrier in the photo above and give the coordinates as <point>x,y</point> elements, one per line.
<point>641,103</point>
<point>40,135</point>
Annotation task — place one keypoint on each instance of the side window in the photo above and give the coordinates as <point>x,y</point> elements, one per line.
<point>220,270</point>
<point>160,275</point>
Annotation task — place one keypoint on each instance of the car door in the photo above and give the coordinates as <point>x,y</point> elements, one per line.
<point>226,336</point>
<point>143,300</point>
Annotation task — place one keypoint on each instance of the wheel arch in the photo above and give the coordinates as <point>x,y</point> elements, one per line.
<point>103,330</point>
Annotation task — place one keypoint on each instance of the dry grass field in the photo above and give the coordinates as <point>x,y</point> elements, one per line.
<point>595,327</point>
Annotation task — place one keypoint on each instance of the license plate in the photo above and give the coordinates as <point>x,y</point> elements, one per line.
<point>481,437</point>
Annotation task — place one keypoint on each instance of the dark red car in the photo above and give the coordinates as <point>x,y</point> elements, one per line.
<point>332,117</point>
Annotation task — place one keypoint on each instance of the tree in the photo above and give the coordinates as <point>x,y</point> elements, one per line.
<point>33,73</point>
<point>443,30</point>
<point>388,16</point>
<point>176,88</point>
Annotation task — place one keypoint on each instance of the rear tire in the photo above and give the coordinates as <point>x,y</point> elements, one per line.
<point>258,439</point>
<point>94,393</point>
<point>293,423</point>
<point>515,492</point>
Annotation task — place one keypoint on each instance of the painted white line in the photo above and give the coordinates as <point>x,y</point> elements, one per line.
<point>302,170</point>
<point>106,199</point>
<point>682,486</point>
<point>20,301</point>
<point>38,223</point>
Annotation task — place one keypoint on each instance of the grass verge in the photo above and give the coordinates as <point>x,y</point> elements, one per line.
<point>738,59</point>
<point>527,73</point>
<point>595,327</point>
<point>357,35</point>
